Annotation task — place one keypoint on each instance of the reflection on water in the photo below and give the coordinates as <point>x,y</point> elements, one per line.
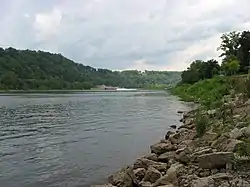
<point>78,139</point>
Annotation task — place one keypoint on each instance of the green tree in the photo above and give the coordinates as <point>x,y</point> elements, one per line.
<point>231,67</point>
<point>230,45</point>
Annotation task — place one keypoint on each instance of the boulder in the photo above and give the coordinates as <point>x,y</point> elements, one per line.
<point>123,178</point>
<point>215,160</point>
<point>183,156</point>
<point>139,173</point>
<point>145,163</point>
<point>165,157</point>
<point>168,134</point>
<point>203,182</point>
<point>151,156</point>
<point>232,145</point>
<point>188,121</point>
<point>160,148</point>
<point>236,133</point>
<point>246,131</point>
<point>200,151</point>
<point>170,177</point>
<point>152,175</point>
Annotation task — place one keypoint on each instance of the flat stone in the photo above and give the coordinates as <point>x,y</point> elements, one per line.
<point>165,157</point>
<point>145,163</point>
<point>160,148</point>
<point>151,156</point>
<point>221,176</point>
<point>215,160</point>
<point>203,182</point>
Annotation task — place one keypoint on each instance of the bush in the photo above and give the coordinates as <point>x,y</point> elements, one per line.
<point>201,123</point>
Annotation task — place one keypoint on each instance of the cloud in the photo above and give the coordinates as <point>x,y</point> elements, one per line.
<point>119,34</point>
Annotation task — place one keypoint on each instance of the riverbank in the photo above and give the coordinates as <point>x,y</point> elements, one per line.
<point>210,148</point>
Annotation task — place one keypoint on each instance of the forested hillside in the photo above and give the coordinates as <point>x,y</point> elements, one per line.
<point>38,70</point>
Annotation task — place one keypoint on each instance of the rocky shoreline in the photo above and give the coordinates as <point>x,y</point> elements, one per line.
<point>183,159</point>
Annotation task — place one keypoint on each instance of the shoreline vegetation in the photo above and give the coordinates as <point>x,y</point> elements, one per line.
<point>211,148</point>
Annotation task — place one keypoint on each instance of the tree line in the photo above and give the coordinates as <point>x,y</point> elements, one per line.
<point>39,70</point>
<point>235,47</point>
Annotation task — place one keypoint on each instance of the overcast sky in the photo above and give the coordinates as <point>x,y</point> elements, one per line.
<point>123,34</point>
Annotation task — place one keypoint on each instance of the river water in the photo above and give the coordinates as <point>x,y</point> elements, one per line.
<point>78,139</point>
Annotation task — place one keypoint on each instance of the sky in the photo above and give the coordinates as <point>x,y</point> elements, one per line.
<point>123,34</point>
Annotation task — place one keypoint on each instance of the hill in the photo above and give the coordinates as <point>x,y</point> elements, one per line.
<point>38,70</point>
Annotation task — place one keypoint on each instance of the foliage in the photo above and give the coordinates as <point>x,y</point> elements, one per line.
<point>38,70</point>
<point>244,148</point>
<point>201,123</point>
<point>231,67</point>
<point>207,92</point>
<point>236,44</point>
<point>230,45</point>
<point>200,70</point>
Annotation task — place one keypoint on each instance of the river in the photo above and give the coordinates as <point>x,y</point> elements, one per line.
<point>78,139</point>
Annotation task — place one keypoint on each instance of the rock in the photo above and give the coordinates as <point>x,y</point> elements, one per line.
<point>240,183</point>
<point>160,148</point>
<point>165,157</point>
<point>168,134</point>
<point>145,184</point>
<point>220,142</point>
<point>173,126</point>
<point>209,136</point>
<point>152,175</point>
<point>169,185</point>
<point>184,156</point>
<point>180,111</point>
<point>222,176</point>
<point>246,131</point>
<point>200,151</point>
<point>145,163</point>
<point>235,133</point>
<point>139,173</point>
<point>203,182</point>
<point>204,173</point>
<point>232,145</point>
<point>123,178</point>
<point>151,156</point>
<point>172,172</point>
<point>214,171</point>
<point>215,160</point>
<point>174,138</point>
<point>170,177</point>
<point>188,121</point>
<point>242,124</point>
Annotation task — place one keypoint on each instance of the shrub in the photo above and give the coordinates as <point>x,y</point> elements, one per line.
<point>201,123</point>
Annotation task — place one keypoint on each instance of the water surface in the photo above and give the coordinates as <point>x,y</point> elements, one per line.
<point>78,139</point>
